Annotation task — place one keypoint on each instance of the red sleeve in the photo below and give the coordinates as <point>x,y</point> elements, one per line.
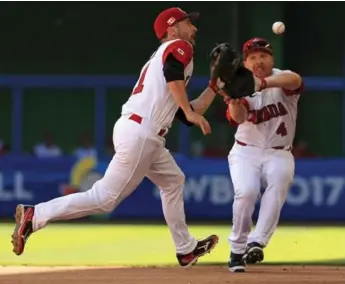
<point>294,92</point>
<point>228,116</point>
<point>181,50</point>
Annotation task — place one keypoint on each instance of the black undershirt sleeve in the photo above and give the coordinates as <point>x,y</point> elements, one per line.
<point>174,71</point>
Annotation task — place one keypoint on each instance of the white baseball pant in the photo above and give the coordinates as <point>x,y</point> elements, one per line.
<point>140,152</point>
<point>249,168</point>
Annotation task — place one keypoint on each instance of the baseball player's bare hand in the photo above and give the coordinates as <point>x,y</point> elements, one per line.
<point>199,120</point>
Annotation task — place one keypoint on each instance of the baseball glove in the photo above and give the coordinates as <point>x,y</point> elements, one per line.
<point>228,75</point>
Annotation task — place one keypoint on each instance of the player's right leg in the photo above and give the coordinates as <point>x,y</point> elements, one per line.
<point>169,178</point>
<point>135,152</point>
<point>245,171</point>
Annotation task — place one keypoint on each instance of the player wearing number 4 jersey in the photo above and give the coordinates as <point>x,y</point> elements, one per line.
<point>158,97</point>
<point>261,155</point>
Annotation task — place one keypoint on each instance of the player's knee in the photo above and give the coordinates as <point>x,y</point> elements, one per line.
<point>178,182</point>
<point>180,178</point>
<point>280,191</point>
<point>104,197</point>
<point>248,194</point>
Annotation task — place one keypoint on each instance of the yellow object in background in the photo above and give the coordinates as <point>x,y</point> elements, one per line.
<point>80,170</point>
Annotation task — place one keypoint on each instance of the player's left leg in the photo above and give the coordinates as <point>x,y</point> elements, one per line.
<point>169,178</point>
<point>136,150</point>
<point>278,171</point>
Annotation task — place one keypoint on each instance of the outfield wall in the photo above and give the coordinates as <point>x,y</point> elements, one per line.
<point>318,192</point>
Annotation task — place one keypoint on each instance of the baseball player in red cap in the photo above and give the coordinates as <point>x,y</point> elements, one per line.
<point>158,97</point>
<point>261,155</point>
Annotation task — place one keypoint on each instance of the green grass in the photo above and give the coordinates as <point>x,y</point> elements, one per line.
<point>100,245</point>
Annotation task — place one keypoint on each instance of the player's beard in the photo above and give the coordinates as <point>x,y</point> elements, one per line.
<point>192,39</point>
<point>188,37</point>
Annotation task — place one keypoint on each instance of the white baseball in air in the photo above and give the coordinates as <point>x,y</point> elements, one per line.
<point>278,28</point>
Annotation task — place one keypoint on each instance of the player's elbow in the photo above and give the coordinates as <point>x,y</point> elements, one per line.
<point>294,81</point>
<point>297,80</point>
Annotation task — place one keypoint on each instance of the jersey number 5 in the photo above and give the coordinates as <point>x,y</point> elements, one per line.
<point>282,131</point>
<point>140,86</point>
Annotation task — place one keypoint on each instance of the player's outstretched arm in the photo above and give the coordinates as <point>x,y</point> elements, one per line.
<point>203,102</point>
<point>287,80</point>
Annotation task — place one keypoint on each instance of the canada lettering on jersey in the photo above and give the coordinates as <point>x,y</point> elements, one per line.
<point>267,113</point>
<point>271,118</point>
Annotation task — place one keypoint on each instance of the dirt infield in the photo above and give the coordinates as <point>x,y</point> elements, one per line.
<point>172,275</point>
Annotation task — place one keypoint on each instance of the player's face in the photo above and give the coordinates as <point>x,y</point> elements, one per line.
<point>260,63</point>
<point>186,30</point>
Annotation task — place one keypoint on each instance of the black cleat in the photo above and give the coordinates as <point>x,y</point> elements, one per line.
<point>23,230</point>
<point>203,246</point>
<point>237,263</point>
<point>254,253</point>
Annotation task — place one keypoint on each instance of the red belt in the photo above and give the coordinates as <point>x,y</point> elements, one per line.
<point>139,119</point>
<point>276,147</point>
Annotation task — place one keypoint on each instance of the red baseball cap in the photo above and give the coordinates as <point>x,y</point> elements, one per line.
<point>255,44</point>
<point>169,17</point>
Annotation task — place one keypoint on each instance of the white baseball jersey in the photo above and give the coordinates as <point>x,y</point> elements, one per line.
<point>272,118</point>
<point>151,97</point>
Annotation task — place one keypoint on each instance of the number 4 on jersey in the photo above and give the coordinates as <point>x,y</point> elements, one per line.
<point>281,130</point>
<point>139,88</point>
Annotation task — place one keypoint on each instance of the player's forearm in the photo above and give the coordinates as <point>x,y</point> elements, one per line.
<point>179,93</point>
<point>289,81</point>
<point>238,113</point>
<point>203,102</point>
